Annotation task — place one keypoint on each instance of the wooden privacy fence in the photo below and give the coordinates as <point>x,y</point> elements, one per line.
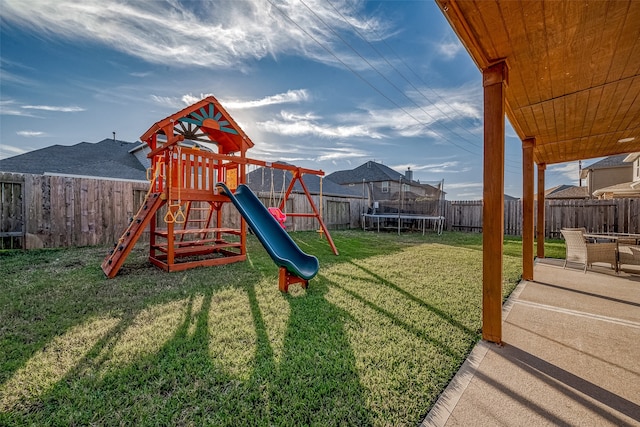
<point>48,211</point>
<point>597,216</point>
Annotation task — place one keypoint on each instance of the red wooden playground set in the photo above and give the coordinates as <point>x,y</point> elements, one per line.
<point>191,184</point>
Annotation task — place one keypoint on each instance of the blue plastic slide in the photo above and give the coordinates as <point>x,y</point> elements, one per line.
<point>282,249</point>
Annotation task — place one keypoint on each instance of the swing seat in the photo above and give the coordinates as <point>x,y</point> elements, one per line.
<point>280,216</point>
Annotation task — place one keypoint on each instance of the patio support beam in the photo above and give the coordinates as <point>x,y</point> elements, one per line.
<point>494,81</point>
<point>540,223</point>
<point>528,181</point>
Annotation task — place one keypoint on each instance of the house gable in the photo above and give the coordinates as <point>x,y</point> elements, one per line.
<point>607,172</point>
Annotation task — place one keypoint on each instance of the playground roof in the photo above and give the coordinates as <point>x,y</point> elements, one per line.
<point>204,121</point>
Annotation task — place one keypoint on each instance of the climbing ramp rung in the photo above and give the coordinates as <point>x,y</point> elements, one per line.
<point>116,257</point>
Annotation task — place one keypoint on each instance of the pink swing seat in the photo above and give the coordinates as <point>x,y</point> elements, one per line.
<point>280,216</point>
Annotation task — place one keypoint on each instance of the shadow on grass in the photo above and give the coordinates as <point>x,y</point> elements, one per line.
<point>182,382</point>
<point>419,333</point>
<point>313,381</point>
<point>435,310</point>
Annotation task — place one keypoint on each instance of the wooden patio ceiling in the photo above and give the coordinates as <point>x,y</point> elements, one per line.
<point>574,70</point>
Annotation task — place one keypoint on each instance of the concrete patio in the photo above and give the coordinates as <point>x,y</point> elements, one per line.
<point>570,355</point>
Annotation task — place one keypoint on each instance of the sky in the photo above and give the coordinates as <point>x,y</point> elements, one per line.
<point>322,84</point>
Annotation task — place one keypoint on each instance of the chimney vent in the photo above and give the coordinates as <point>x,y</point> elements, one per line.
<point>408,174</point>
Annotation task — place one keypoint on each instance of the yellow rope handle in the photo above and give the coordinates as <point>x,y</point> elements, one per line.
<point>179,216</point>
<point>169,217</point>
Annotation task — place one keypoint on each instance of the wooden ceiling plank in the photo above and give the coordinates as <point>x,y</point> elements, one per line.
<point>608,22</point>
<point>631,42</point>
<point>533,21</point>
<point>605,109</point>
<point>512,15</point>
<point>575,51</point>
<point>554,37</point>
<point>495,34</point>
<point>479,30</point>
<point>591,109</point>
<point>583,39</point>
<point>564,121</point>
<point>631,117</point>
<point>622,102</point>
<point>527,123</point>
<point>627,38</point>
<point>574,69</point>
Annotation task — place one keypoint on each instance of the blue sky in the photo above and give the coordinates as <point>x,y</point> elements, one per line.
<point>324,84</point>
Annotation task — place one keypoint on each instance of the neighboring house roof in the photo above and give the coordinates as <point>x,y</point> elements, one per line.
<point>569,192</point>
<point>607,162</point>
<point>370,172</point>
<point>107,158</point>
<point>260,180</point>
<point>626,189</point>
<point>508,198</point>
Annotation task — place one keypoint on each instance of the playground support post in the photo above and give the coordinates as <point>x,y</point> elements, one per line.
<point>297,175</point>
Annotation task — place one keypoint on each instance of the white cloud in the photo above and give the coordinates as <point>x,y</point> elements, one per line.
<point>9,108</point>
<point>207,34</point>
<point>30,133</point>
<point>466,196</point>
<point>443,167</point>
<point>168,101</point>
<point>189,98</point>
<point>335,153</point>
<point>291,96</point>
<point>9,150</point>
<point>440,118</point>
<point>464,185</point>
<point>70,109</point>
<point>450,48</point>
<point>293,124</point>
<point>568,170</point>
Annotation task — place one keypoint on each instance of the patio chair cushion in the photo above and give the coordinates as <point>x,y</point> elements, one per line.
<point>629,254</point>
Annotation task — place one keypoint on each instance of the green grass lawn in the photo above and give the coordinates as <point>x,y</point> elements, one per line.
<point>373,341</point>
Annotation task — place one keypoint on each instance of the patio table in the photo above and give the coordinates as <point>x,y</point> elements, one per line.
<point>615,237</point>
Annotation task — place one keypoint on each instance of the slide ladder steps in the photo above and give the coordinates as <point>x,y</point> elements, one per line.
<point>116,257</point>
<point>200,223</point>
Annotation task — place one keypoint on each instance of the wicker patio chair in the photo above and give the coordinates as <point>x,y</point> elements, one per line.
<point>578,250</point>
<point>628,254</point>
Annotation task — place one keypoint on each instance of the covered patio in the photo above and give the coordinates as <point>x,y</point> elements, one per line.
<point>570,355</point>
<point>567,75</point>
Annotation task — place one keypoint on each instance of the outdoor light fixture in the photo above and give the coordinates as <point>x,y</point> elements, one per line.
<point>626,139</point>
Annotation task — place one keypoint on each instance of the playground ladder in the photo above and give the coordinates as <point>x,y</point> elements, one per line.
<point>114,260</point>
<point>201,223</point>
